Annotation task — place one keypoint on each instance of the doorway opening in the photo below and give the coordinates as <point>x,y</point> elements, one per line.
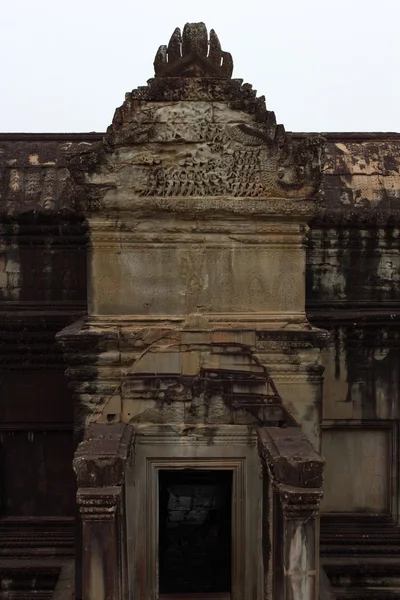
<point>195,531</point>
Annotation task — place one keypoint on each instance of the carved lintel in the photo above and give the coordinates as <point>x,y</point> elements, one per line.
<point>99,504</point>
<point>299,504</point>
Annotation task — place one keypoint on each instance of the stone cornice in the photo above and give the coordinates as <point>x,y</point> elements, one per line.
<point>331,136</point>
<point>38,316</point>
<point>107,345</point>
<point>217,208</point>
<point>363,218</point>
<point>355,316</point>
<point>108,326</point>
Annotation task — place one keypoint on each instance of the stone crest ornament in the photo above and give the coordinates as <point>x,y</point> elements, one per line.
<point>193,54</point>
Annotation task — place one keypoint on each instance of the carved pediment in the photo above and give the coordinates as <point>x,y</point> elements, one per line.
<point>195,132</point>
<point>193,54</point>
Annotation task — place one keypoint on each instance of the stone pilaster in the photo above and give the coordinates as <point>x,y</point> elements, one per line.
<point>100,555</point>
<point>295,479</point>
<point>300,542</point>
<point>100,469</point>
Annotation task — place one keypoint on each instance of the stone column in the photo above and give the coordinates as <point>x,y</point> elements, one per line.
<point>100,564</point>
<point>295,475</point>
<point>300,542</point>
<point>99,464</point>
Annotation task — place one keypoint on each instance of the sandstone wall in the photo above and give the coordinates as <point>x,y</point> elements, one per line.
<point>42,289</point>
<point>353,279</point>
<point>353,290</point>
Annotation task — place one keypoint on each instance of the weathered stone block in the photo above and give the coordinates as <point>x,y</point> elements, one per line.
<point>291,458</point>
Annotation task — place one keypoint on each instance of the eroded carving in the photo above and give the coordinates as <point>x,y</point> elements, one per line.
<point>193,54</point>
<point>220,165</point>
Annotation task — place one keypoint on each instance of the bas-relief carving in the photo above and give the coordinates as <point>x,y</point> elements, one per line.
<point>229,145</point>
<point>184,153</point>
<point>369,172</point>
<point>376,161</point>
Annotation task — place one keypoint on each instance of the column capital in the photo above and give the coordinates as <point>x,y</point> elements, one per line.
<point>98,504</point>
<point>290,458</point>
<point>299,503</point>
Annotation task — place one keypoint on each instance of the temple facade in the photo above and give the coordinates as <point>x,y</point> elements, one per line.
<point>199,341</point>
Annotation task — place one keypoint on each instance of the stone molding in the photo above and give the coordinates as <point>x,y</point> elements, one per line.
<point>103,227</point>
<point>99,504</point>
<point>99,241</point>
<point>299,503</point>
<point>154,435</point>
<point>207,207</point>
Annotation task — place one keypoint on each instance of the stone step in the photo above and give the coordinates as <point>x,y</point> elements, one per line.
<point>18,594</point>
<point>361,557</point>
<point>363,593</point>
<point>360,536</point>
<point>26,580</point>
<point>33,537</point>
<point>370,570</point>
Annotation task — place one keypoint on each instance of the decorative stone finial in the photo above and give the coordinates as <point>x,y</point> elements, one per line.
<point>193,54</point>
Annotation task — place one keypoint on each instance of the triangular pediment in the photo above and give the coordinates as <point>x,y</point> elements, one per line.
<point>194,132</point>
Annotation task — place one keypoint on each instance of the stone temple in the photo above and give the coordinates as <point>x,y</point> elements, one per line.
<point>200,358</point>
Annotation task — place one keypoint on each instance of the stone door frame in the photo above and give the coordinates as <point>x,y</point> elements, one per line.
<point>236,453</point>
<point>237,466</point>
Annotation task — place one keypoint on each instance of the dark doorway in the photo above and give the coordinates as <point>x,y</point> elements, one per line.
<point>195,531</point>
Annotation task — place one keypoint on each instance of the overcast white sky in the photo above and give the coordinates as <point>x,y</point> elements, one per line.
<point>322,65</point>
